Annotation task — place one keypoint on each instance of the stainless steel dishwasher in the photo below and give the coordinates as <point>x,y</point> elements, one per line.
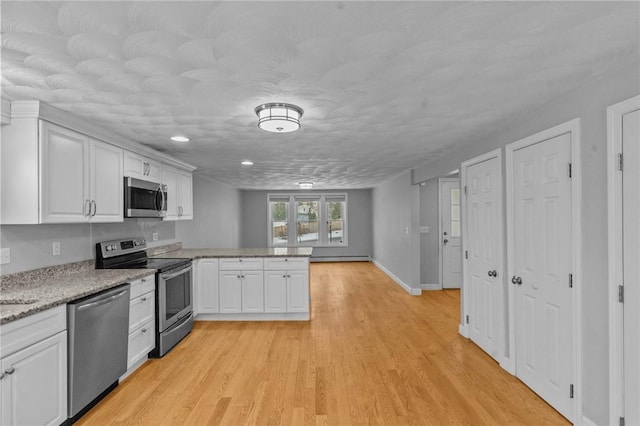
<point>98,329</point>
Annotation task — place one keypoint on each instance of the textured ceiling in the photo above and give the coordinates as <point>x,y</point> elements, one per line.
<point>386,86</point>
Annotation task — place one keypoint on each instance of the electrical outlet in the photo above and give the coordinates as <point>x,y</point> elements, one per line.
<point>5,256</point>
<point>56,248</point>
<point>155,236</point>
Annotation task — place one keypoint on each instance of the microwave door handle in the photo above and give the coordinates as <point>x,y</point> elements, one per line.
<point>175,274</point>
<point>162,200</point>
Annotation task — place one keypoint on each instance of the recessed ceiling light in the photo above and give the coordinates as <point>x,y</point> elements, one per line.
<point>179,138</point>
<point>247,163</point>
<point>305,185</point>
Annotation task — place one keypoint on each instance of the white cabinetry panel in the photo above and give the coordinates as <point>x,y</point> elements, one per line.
<point>252,291</point>
<point>230,292</point>
<point>140,167</point>
<point>206,279</point>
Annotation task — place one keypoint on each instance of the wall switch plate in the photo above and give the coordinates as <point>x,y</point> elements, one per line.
<point>5,256</point>
<point>56,248</point>
<point>155,236</point>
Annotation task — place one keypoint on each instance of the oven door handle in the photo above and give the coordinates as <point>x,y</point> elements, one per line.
<point>175,274</point>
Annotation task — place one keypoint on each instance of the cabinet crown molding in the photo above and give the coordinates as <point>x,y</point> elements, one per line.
<point>43,111</point>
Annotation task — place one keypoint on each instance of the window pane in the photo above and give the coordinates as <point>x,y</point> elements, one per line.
<point>455,212</point>
<point>455,229</point>
<point>335,222</point>
<point>279,223</point>
<point>307,221</point>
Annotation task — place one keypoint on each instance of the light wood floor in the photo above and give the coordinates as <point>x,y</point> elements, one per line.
<point>372,354</point>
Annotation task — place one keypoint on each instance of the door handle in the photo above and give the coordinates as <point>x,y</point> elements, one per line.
<point>445,241</point>
<point>493,273</point>
<point>516,280</point>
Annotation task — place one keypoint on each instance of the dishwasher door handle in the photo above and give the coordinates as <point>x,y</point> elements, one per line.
<point>101,301</point>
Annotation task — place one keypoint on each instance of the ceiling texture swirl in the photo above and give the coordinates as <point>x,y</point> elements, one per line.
<point>385,86</point>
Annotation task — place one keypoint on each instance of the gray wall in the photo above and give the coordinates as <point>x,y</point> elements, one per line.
<point>216,224</point>
<point>429,242</point>
<point>392,222</point>
<point>216,210</point>
<point>31,244</point>
<point>254,223</point>
<point>589,104</point>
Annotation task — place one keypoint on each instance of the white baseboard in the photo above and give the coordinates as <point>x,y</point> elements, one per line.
<point>406,287</point>
<point>508,365</point>
<point>587,421</point>
<point>266,316</point>
<point>430,287</point>
<point>340,259</point>
<point>462,330</point>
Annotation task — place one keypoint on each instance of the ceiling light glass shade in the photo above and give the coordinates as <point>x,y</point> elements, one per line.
<point>247,163</point>
<point>179,138</point>
<point>278,117</point>
<point>305,185</point>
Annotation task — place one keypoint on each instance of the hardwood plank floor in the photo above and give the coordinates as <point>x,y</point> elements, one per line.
<point>371,354</point>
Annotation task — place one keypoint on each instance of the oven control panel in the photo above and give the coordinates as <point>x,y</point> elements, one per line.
<point>119,247</point>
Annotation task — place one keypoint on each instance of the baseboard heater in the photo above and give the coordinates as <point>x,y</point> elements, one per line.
<point>340,258</point>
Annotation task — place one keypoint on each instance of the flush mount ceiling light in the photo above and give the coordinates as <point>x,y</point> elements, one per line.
<point>279,117</point>
<point>179,138</point>
<point>305,185</point>
<point>247,163</point>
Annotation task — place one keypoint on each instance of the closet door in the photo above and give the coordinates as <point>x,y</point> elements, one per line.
<point>541,260</point>
<point>484,274</point>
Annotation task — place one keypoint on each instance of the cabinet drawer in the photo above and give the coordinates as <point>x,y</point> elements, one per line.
<point>24,332</point>
<point>141,342</point>
<point>141,310</point>
<point>143,285</point>
<point>286,263</point>
<point>241,263</point>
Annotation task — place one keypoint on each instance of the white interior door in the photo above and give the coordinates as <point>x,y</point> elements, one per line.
<point>542,267</point>
<point>451,265</point>
<point>631,265</point>
<point>484,275</point>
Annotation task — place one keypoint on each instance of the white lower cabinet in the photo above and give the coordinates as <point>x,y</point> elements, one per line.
<point>241,291</point>
<point>33,375</point>
<point>230,292</point>
<point>141,322</point>
<point>206,286</point>
<point>252,288</point>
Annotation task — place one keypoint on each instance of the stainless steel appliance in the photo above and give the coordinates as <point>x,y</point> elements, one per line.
<point>97,353</point>
<point>174,309</point>
<point>144,199</point>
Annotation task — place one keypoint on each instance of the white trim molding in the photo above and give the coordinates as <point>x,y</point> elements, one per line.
<point>431,287</point>
<point>614,198</point>
<point>573,128</point>
<point>406,287</point>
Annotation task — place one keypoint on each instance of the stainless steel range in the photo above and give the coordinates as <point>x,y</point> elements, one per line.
<point>174,306</point>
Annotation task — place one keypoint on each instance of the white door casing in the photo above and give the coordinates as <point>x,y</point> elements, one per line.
<point>623,140</point>
<point>483,259</point>
<point>543,240</point>
<point>449,224</point>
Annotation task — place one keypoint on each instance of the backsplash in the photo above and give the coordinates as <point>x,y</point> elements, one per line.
<point>31,245</point>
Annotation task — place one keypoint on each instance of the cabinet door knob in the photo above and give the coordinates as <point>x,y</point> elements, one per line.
<point>144,330</point>
<point>10,370</point>
<point>144,299</point>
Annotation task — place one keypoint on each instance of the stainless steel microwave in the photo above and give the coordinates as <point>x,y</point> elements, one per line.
<point>144,199</point>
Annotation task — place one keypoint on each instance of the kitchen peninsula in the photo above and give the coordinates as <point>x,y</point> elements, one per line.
<point>248,284</point>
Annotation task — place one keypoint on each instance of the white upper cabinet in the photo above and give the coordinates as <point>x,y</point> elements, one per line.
<point>81,178</point>
<point>179,193</point>
<point>64,177</point>
<point>140,167</point>
<point>106,187</point>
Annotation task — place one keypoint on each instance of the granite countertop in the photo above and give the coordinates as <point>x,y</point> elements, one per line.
<point>241,252</point>
<point>26,293</point>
